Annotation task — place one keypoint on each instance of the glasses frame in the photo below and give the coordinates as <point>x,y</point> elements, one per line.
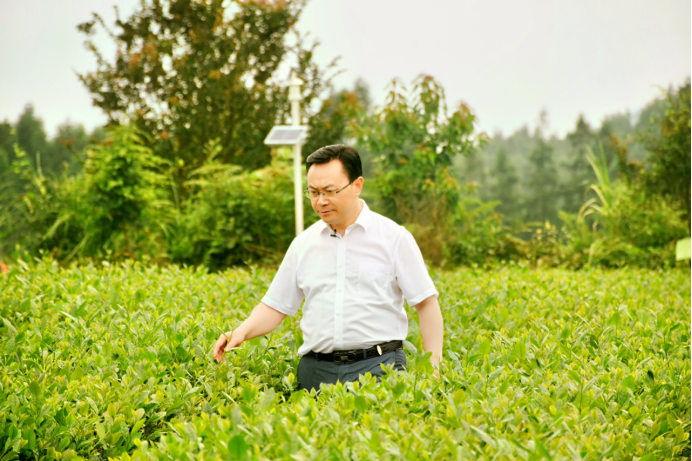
<point>307,192</point>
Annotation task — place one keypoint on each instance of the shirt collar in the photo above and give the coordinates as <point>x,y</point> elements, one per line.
<point>364,218</point>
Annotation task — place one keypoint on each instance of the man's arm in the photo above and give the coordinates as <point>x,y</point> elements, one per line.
<point>431,328</point>
<point>262,320</point>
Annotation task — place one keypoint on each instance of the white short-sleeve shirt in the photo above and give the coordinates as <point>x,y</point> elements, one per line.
<point>353,285</point>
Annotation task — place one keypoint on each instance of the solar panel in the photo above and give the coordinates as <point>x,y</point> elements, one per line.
<point>283,135</point>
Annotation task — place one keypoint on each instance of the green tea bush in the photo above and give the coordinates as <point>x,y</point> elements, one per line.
<point>114,361</point>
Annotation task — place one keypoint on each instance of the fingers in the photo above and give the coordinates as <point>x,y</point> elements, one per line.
<point>219,348</point>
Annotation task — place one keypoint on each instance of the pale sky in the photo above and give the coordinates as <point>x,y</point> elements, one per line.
<point>507,59</point>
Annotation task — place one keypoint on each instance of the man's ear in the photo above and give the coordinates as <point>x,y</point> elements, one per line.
<point>359,184</point>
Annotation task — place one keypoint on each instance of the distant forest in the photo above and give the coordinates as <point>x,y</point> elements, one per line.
<point>534,176</point>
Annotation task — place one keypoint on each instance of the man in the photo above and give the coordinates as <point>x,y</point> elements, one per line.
<point>353,269</point>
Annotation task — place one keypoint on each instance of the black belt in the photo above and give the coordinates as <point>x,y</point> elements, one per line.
<point>355,355</point>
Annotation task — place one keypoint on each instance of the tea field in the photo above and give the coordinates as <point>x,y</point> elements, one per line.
<point>101,362</point>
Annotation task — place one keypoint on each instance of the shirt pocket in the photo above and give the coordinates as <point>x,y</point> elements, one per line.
<point>374,281</point>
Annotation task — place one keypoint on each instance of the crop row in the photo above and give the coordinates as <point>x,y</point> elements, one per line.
<point>114,362</point>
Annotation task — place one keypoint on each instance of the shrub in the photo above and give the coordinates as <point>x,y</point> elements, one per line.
<point>478,235</point>
<point>236,217</point>
<point>122,181</point>
<point>44,213</point>
<point>631,225</point>
<point>109,210</point>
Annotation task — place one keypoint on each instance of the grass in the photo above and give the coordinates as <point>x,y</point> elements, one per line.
<point>115,362</point>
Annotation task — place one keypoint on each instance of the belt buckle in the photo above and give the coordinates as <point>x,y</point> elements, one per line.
<point>344,358</point>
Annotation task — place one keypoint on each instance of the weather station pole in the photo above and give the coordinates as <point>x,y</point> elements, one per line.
<point>294,96</point>
<point>292,135</point>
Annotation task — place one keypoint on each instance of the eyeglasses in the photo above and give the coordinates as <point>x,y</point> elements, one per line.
<point>315,194</point>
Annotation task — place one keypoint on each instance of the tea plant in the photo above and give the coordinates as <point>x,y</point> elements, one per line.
<point>108,361</point>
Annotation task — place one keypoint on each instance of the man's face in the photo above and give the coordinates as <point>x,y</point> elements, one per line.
<point>332,177</point>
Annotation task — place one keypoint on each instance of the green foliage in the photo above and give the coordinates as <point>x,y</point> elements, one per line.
<point>636,229</point>
<point>416,142</point>
<point>115,362</point>
<point>38,180</point>
<point>192,72</point>
<point>122,179</point>
<point>478,235</point>
<point>234,217</point>
<point>63,153</point>
<point>669,147</point>
<point>629,227</point>
<point>504,185</point>
<point>474,171</point>
<point>580,172</point>
<point>94,212</point>
<point>30,205</point>
<point>331,124</point>
<point>31,138</point>
<point>541,202</point>
<point>119,208</point>
<point>37,211</point>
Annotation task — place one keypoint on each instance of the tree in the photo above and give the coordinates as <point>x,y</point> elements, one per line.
<point>416,142</point>
<point>474,170</point>
<point>192,72</point>
<point>7,141</point>
<point>579,172</point>
<point>668,143</point>
<point>331,123</point>
<point>503,185</point>
<point>542,182</point>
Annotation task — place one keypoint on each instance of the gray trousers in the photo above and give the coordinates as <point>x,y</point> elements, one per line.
<point>312,372</point>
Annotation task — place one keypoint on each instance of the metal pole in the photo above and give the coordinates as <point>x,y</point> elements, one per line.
<point>294,97</point>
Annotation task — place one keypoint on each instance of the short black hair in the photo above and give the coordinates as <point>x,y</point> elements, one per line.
<point>349,157</point>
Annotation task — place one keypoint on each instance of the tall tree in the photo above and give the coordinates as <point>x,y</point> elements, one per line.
<point>193,72</point>
<point>503,185</point>
<point>474,171</point>
<point>341,109</point>
<point>417,139</point>
<point>542,183</point>
<point>668,143</point>
<point>579,172</point>
<point>7,141</point>
<point>31,136</point>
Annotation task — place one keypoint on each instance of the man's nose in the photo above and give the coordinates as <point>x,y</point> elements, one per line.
<point>322,200</point>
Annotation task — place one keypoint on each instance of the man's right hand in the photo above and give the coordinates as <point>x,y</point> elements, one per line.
<point>226,341</point>
<point>262,320</point>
